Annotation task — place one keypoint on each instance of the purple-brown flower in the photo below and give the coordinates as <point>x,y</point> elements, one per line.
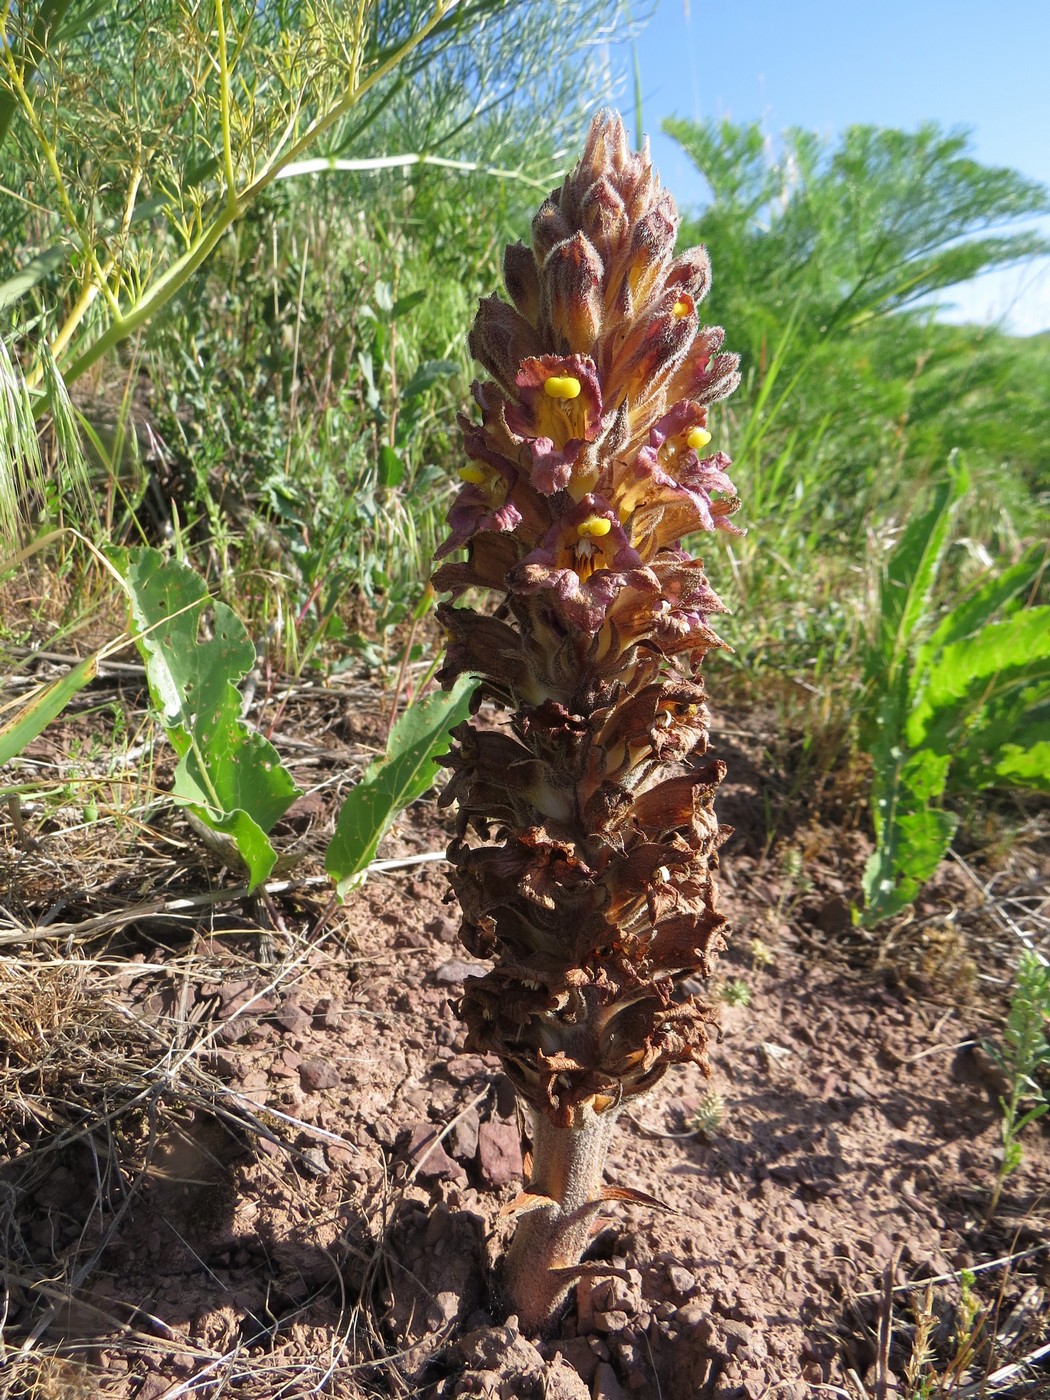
<point>585,856</point>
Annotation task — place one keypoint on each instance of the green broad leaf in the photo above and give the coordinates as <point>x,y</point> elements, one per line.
<point>394,780</point>
<point>427,375</point>
<point>391,467</point>
<point>914,846</point>
<point>196,651</point>
<point>966,675</point>
<point>1002,591</point>
<point>47,704</point>
<point>408,303</point>
<point>911,571</point>
<point>1025,766</point>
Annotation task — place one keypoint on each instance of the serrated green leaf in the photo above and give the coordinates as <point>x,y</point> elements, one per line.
<point>391,782</point>
<point>968,674</point>
<point>914,845</point>
<point>228,775</point>
<point>1025,765</point>
<point>1005,589</point>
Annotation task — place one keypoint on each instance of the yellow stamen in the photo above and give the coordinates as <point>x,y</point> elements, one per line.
<point>473,473</point>
<point>593,527</point>
<point>698,437</point>
<point>562,386</point>
<point>680,309</point>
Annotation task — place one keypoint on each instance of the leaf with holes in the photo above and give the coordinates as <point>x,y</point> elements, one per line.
<point>196,651</point>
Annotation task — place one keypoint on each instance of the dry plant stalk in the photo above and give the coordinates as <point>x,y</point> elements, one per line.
<point>586,831</point>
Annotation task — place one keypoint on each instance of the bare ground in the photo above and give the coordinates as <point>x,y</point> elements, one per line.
<point>245,1152</point>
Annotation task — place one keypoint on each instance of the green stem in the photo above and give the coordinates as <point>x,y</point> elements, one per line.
<point>234,205</point>
<point>27,56</point>
<point>549,1240</point>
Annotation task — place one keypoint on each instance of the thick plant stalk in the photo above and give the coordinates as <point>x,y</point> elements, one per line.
<point>586,848</point>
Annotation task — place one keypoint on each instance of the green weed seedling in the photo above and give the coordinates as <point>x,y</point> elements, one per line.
<point>962,705</point>
<point>196,650</point>
<point>1025,1050</point>
<point>735,992</point>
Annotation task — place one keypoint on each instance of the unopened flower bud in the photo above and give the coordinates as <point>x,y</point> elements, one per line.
<point>572,278</point>
<point>521,278</point>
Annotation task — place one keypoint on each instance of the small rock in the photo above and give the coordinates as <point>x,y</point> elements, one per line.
<point>695,1318</point>
<point>291,1016</point>
<point>445,930</point>
<point>317,1074</point>
<point>578,1354</point>
<point>411,938</point>
<point>681,1280</point>
<point>606,1386</point>
<point>499,1153</point>
<point>312,1160</point>
<point>443,1310</point>
<point>457,970</point>
<point>463,1139</point>
<point>615,1320</point>
<point>562,1382</point>
<point>330,1010</point>
<point>428,1157</point>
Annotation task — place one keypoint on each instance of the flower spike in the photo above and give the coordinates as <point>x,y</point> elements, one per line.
<point>586,850</point>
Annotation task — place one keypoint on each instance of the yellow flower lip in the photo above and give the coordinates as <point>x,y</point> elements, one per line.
<point>562,386</point>
<point>680,309</point>
<point>593,527</point>
<point>698,437</point>
<point>472,473</point>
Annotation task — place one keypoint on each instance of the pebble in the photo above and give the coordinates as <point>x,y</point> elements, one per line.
<point>606,1386</point>
<point>681,1280</point>
<point>614,1320</point>
<point>499,1153</point>
<point>463,1139</point>
<point>456,970</point>
<point>429,1157</point>
<point>317,1074</point>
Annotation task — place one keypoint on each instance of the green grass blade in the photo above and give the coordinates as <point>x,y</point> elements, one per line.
<point>47,704</point>
<point>401,775</point>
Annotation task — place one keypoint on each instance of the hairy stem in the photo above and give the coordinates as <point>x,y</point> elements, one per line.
<point>544,1254</point>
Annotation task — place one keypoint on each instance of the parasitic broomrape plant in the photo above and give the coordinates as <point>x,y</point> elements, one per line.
<point>586,848</point>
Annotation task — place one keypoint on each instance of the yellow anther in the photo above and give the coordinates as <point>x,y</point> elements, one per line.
<point>594,526</point>
<point>680,309</point>
<point>698,437</point>
<point>562,386</point>
<point>472,473</point>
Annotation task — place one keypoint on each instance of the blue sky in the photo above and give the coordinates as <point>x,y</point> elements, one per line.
<point>826,64</point>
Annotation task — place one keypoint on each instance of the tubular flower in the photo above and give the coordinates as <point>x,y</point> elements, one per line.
<point>585,856</point>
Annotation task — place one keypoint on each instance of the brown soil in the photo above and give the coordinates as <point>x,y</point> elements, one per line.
<point>248,1155</point>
